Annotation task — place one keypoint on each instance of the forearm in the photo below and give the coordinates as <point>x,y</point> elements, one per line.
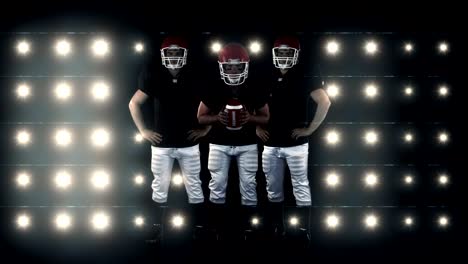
<point>207,119</point>
<point>206,128</point>
<point>137,117</point>
<point>320,114</point>
<point>259,119</point>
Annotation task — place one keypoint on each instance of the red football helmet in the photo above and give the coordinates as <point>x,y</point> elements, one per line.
<point>286,52</point>
<point>174,52</point>
<point>233,62</point>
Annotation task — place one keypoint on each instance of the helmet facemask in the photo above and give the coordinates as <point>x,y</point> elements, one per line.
<point>234,72</point>
<point>174,57</point>
<point>285,57</point>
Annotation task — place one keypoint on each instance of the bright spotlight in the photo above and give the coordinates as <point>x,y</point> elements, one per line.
<point>333,90</point>
<point>216,47</point>
<point>63,221</point>
<point>177,221</point>
<point>23,137</point>
<point>371,179</point>
<point>371,91</point>
<point>408,179</point>
<point>333,47</point>
<point>63,48</point>
<point>23,48</point>
<point>138,138</point>
<point>409,47</point>
<point>255,47</point>
<point>23,91</point>
<point>63,179</point>
<point>408,221</point>
<point>408,137</point>
<point>443,137</point>
<point>443,221</point>
<point>100,48</point>
<point>63,138</point>
<point>139,221</point>
<point>255,221</point>
<point>23,221</point>
<point>443,179</point>
<point>371,221</point>
<point>333,137</point>
<point>63,91</point>
<point>443,91</point>
<point>139,179</point>
<point>332,180</point>
<point>293,221</point>
<point>100,91</point>
<point>177,179</point>
<point>371,138</point>
<point>100,138</point>
<point>100,221</point>
<point>100,179</point>
<point>332,221</point>
<point>139,47</point>
<point>408,91</point>
<point>23,179</point>
<point>443,47</point>
<point>371,47</point>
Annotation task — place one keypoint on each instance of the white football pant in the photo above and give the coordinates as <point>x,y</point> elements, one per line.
<point>162,161</point>
<point>247,163</point>
<point>273,162</point>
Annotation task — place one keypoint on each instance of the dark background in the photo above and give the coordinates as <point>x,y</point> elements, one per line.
<point>390,24</point>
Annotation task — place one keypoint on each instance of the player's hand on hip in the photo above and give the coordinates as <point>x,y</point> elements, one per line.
<point>262,134</point>
<point>151,136</point>
<point>300,132</point>
<point>196,134</point>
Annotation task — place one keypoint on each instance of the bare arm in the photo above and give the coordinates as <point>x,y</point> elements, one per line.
<point>205,117</point>
<point>138,99</point>
<point>260,117</point>
<point>262,133</point>
<point>323,104</point>
<point>196,134</point>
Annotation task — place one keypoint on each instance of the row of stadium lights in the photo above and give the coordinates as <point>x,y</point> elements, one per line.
<point>333,47</point>
<point>100,221</point>
<point>371,137</point>
<point>100,179</point>
<point>63,91</point>
<point>63,48</point>
<point>371,91</point>
<point>101,47</point>
<point>100,91</point>
<point>101,138</point>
